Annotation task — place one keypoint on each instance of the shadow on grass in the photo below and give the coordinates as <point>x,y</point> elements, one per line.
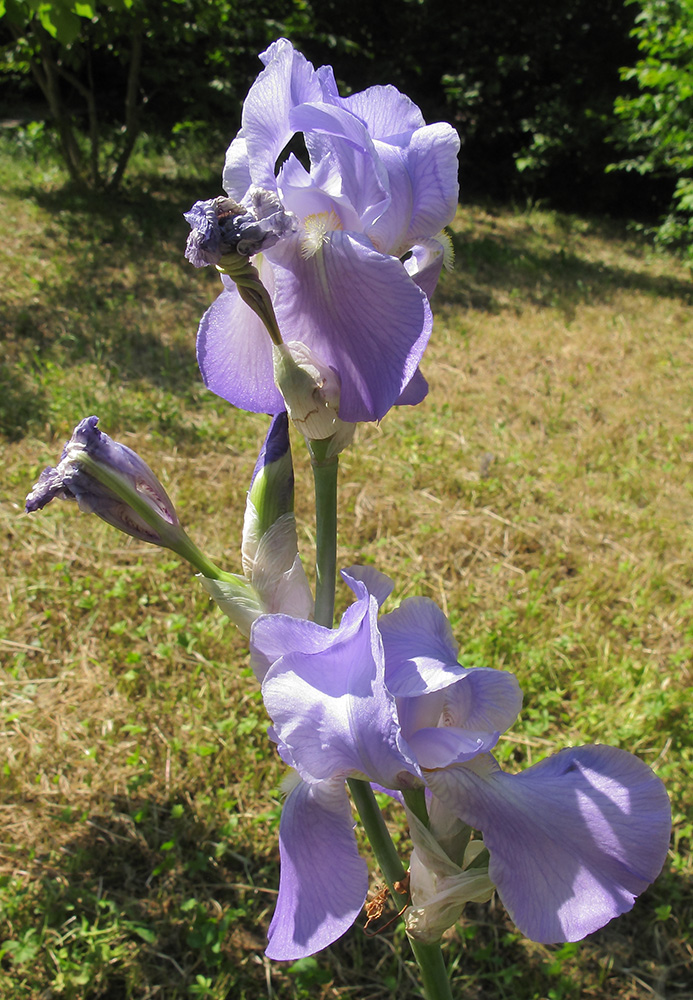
<point>139,903</point>
<point>111,288</point>
<point>493,270</point>
<point>147,897</point>
<point>22,403</point>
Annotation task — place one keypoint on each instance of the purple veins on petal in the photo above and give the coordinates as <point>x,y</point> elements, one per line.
<point>361,314</point>
<point>414,391</point>
<point>323,880</point>
<point>572,840</point>
<point>234,351</point>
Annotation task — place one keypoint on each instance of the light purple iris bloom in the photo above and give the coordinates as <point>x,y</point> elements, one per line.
<point>572,840</point>
<point>381,185</point>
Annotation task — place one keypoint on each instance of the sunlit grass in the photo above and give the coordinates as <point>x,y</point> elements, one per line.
<point>541,494</point>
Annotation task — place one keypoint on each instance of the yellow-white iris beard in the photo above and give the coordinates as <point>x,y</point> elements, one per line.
<point>316,231</point>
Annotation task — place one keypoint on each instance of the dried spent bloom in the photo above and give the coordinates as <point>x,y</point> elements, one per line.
<point>221,226</point>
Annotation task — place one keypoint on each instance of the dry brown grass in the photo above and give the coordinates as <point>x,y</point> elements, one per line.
<point>541,494</point>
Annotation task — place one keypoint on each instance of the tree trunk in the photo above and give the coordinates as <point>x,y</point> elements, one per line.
<point>132,107</point>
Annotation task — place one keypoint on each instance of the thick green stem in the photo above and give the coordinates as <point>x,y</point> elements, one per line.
<point>325,476</point>
<point>415,800</point>
<point>190,552</point>
<point>428,956</point>
<point>434,975</point>
<point>373,823</point>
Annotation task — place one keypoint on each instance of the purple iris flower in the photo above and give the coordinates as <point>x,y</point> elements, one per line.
<point>572,840</point>
<point>381,186</point>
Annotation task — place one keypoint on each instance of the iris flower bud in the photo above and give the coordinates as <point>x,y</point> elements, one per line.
<point>311,392</point>
<point>440,887</point>
<point>271,562</point>
<point>112,481</point>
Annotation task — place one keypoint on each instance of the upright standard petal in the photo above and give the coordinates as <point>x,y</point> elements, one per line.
<point>336,135</point>
<point>323,882</point>
<point>573,840</point>
<point>331,708</point>
<point>287,81</point>
<point>421,658</point>
<point>385,111</point>
<point>423,186</point>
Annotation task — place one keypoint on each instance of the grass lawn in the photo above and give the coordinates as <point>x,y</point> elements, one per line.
<point>542,495</point>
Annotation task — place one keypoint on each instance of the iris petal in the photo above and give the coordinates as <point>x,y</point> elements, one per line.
<point>361,314</point>
<point>573,840</point>
<point>287,80</point>
<point>387,112</point>
<point>423,187</point>
<point>332,709</point>
<point>334,134</point>
<point>323,881</point>
<point>234,352</point>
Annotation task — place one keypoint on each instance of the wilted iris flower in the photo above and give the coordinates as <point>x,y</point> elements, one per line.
<point>572,840</point>
<point>380,187</point>
<point>110,480</point>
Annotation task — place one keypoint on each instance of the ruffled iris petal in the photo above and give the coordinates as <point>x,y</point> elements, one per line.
<point>421,658</point>
<point>425,264</point>
<point>234,352</point>
<point>420,649</point>
<point>332,709</point>
<point>323,881</point>
<point>316,193</point>
<point>339,136</point>
<point>573,840</point>
<point>414,391</point>
<point>359,312</point>
<point>387,112</point>
<point>287,80</point>
<point>443,745</point>
<point>236,177</point>
<point>484,699</point>
<point>273,635</point>
<point>423,188</point>
<point>378,584</point>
